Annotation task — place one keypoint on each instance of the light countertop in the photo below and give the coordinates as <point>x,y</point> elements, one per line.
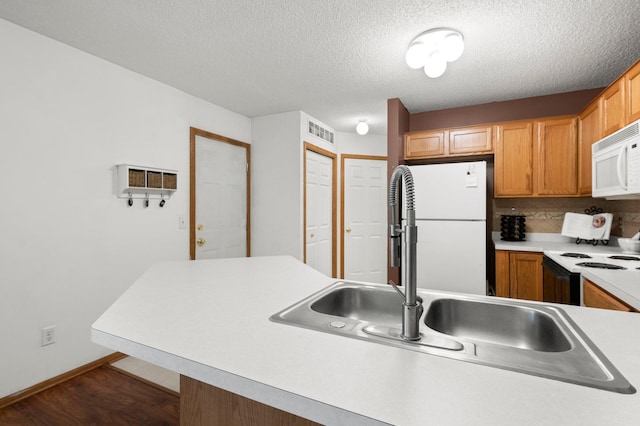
<point>209,320</point>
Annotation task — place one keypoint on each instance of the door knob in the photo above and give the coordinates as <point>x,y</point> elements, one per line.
<point>201,241</point>
<point>348,230</point>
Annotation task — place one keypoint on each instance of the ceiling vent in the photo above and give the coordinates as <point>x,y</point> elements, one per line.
<point>320,132</point>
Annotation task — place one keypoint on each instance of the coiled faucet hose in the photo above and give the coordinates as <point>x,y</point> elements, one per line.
<point>405,172</point>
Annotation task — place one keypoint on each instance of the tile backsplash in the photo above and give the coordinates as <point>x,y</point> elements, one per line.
<point>547,214</point>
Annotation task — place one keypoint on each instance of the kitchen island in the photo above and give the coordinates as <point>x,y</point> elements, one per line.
<point>209,320</point>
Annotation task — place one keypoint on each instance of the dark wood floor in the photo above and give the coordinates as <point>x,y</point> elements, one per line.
<point>103,396</point>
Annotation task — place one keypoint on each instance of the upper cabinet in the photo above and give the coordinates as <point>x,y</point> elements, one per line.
<point>513,159</point>
<point>536,158</point>
<point>471,140</point>
<point>424,144</point>
<point>557,149</point>
<point>613,107</point>
<point>448,142</point>
<point>589,132</point>
<point>632,93</point>
<point>548,157</point>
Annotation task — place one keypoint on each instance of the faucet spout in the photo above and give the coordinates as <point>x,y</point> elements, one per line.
<point>412,307</point>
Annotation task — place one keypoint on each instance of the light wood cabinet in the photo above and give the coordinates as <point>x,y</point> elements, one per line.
<point>424,144</point>
<point>473,140</point>
<point>557,162</point>
<point>448,142</point>
<point>595,297</point>
<point>589,132</point>
<point>202,404</point>
<point>513,159</point>
<point>613,108</point>
<point>536,158</point>
<point>519,275</point>
<point>632,93</point>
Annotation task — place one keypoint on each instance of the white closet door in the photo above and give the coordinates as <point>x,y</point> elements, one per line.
<point>365,220</point>
<point>319,217</point>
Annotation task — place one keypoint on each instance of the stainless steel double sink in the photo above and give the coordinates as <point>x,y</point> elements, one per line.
<point>525,337</point>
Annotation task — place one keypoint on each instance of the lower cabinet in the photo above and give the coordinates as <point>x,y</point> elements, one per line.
<point>596,297</point>
<point>204,405</point>
<point>519,275</point>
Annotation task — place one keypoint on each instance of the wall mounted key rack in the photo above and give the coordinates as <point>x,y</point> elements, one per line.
<point>146,183</point>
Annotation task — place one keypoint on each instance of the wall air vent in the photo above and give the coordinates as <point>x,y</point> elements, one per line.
<point>320,132</point>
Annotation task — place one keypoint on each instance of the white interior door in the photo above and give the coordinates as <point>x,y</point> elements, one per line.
<point>221,175</point>
<point>319,212</point>
<point>365,220</point>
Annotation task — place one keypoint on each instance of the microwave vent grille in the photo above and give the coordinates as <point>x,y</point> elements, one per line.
<point>620,136</point>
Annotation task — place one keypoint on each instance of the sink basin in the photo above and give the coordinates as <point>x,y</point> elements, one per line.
<point>529,338</point>
<point>361,303</point>
<point>517,326</point>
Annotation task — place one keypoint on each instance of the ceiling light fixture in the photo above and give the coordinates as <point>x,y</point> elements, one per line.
<point>432,50</point>
<point>362,128</point>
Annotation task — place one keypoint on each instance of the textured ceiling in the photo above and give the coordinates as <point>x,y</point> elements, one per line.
<point>340,60</point>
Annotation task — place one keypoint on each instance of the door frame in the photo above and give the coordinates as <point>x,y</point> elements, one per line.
<point>344,157</point>
<point>334,225</point>
<point>193,132</point>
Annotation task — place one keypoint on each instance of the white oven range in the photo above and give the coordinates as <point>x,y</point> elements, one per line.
<point>563,270</point>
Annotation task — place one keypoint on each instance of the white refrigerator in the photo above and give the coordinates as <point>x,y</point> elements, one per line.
<point>450,210</point>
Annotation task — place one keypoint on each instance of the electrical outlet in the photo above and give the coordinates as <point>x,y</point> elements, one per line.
<point>48,335</point>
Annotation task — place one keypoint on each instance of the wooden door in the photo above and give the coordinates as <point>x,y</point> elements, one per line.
<point>632,93</point>
<point>364,218</point>
<point>219,205</point>
<point>613,108</point>
<point>513,160</point>
<point>320,210</point>
<point>525,275</point>
<point>589,132</point>
<point>557,150</point>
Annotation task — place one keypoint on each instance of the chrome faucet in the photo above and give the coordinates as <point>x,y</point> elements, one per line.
<point>412,306</point>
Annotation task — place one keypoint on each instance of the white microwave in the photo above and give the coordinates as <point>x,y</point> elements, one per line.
<point>615,164</point>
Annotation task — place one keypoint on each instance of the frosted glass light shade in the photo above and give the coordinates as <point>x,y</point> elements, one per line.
<point>452,47</point>
<point>362,128</point>
<point>432,50</point>
<point>436,65</point>
<point>416,55</point>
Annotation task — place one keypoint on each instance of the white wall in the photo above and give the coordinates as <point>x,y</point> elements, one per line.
<point>68,246</point>
<point>369,144</point>
<point>277,193</point>
<point>276,197</point>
